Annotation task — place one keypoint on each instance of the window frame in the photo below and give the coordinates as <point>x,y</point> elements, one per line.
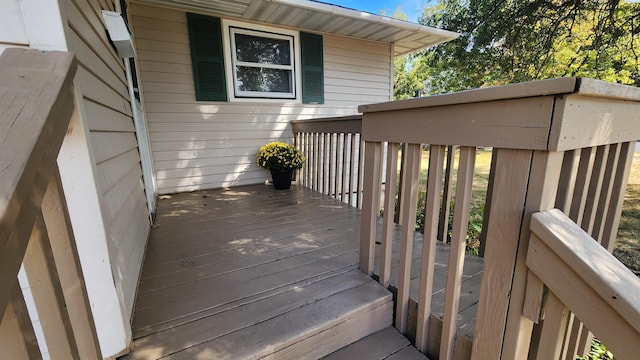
<point>230,27</point>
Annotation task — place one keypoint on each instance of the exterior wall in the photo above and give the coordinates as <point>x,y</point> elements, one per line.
<point>99,160</point>
<point>105,106</point>
<point>199,145</point>
<point>13,32</point>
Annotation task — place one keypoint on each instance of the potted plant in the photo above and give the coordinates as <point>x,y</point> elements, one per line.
<point>281,159</point>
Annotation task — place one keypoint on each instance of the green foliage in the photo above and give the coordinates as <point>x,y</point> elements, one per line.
<point>406,80</point>
<point>598,352</point>
<point>474,230</point>
<point>513,41</point>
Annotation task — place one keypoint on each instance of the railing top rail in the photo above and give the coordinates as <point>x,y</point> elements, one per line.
<point>555,115</point>
<point>559,86</point>
<point>343,124</point>
<point>616,284</point>
<point>37,101</point>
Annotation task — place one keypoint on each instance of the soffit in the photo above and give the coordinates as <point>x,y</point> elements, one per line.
<point>321,17</point>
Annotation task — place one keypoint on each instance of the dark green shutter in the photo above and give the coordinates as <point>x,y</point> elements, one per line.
<point>207,57</point>
<point>312,68</point>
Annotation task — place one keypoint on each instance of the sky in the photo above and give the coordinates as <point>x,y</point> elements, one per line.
<point>410,7</point>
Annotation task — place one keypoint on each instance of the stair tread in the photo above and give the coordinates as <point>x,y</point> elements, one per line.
<point>287,329</point>
<point>386,344</point>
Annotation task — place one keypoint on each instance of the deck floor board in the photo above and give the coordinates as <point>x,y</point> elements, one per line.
<point>221,262</point>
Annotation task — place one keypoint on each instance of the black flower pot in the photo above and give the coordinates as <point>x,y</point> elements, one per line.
<point>281,178</point>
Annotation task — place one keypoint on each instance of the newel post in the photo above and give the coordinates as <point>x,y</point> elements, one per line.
<point>524,182</point>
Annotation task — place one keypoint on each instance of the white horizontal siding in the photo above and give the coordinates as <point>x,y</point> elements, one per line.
<point>12,28</point>
<point>101,78</point>
<point>199,145</point>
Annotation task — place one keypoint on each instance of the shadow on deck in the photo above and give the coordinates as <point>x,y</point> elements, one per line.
<point>237,273</point>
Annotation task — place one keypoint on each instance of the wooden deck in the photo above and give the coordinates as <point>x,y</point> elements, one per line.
<point>230,272</point>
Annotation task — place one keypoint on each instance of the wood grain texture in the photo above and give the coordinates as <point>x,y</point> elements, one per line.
<point>457,251</point>
<point>302,286</point>
<point>557,255</point>
<point>272,252</point>
<point>511,175</point>
<point>35,95</point>
<point>58,225</point>
<point>434,183</point>
<point>17,337</point>
<point>39,265</point>
<point>371,203</point>
<point>473,124</point>
<point>388,213</point>
<point>409,200</point>
<point>553,329</point>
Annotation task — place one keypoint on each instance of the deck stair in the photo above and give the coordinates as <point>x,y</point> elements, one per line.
<point>386,344</point>
<point>243,289</point>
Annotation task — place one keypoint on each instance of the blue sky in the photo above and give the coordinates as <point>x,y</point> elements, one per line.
<point>410,7</point>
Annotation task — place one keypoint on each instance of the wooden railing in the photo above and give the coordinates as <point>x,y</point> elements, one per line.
<point>333,149</point>
<point>562,143</point>
<point>581,277</point>
<point>36,102</point>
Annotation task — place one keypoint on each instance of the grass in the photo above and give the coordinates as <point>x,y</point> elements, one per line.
<point>628,238</point>
<point>628,241</point>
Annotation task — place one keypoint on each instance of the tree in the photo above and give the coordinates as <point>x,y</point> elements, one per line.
<point>508,41</point>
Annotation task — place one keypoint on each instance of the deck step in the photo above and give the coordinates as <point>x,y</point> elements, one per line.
<point>386,344</point>
<point>311,325</point>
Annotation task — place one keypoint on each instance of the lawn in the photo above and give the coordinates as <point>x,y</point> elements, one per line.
<point>628,242</point>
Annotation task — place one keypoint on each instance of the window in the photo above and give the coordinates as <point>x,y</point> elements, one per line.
<point>255,62</point>
<point>262,64</point>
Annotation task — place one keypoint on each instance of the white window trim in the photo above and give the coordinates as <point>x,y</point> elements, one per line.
<point>230,71</point>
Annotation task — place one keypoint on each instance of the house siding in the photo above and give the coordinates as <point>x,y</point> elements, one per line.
<point>101,81</point>
<point>199,144</point>
<point>13,32</point>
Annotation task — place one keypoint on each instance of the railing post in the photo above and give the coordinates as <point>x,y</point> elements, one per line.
<point>372,186</point>
<point>524,182</point>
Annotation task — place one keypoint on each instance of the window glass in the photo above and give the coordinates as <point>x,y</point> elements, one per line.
<point>262,64</point>
<point>263,50</point>
<point>264,79</point>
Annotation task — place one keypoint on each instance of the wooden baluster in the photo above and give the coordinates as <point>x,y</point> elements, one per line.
<point>17,337</point>
<point>554,328</point>
<point>389,209</point>
<point>55,214</point>
<point>583,177</point>
<point>443,228</point>
<point>326,169</point>
<point>595,187</point>
<point>410,184</point>
<point>332,163</point>
<point>614,211</point>
<point>343,174</point>
<point>352,169</point>
<point>359,188</point>
<point>607,189</point>
<point>567,182</point>
<point>39,264</point>
<point>430,237</point>
<point>371,205</point>
<point>457,250</point>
